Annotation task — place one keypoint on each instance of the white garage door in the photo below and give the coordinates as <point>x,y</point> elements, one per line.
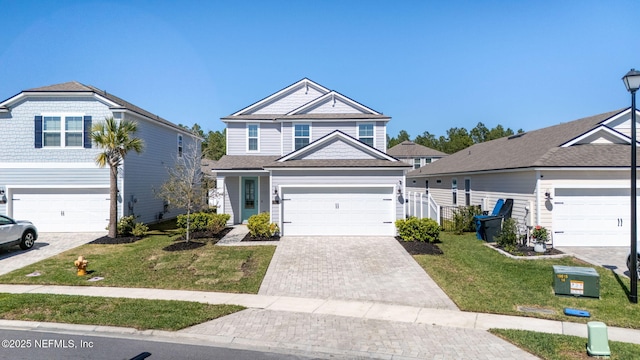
<point>338,211</point>
<point>63,210</point>
<point>591,217</point>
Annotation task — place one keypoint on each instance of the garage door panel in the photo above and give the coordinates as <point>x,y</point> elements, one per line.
<point>338,211</point>
<point>591,217</point>
<point>63,210</point>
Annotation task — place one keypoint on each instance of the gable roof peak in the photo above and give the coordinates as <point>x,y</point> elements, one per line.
<point>66,86</point>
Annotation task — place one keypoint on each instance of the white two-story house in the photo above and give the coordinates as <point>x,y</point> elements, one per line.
<point>48,172</point>
<point>315,159</point>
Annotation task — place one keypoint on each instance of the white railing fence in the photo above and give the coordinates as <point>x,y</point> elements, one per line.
<point>422,205</point>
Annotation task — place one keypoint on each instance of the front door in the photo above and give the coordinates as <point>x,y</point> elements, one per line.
<point>249,197</point>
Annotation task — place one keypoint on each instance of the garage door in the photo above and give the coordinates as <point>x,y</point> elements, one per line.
<point>338,211</point>
<point>591,217</point>
<point>63,210</point>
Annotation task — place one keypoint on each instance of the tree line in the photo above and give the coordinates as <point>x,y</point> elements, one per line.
<point>456,138</point>
<point>214,143</point>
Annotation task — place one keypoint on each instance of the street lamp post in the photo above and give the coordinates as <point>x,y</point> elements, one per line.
<point>632,82</point>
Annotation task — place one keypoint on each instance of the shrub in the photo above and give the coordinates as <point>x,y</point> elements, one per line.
<point>414,229</point>
<point>508,237</point>
<point>204,221</point>
<point>259,226</point>
<point>139,230</point>
<point>125,225</point>
<point>217,222</point>
<point>463,219</point>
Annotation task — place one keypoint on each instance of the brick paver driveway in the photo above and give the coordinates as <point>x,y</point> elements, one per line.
<point>374,269</point>
<point>611,257</point>
<point>47,245</point>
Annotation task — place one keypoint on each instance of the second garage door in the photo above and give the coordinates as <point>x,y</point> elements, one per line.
<point>348,211</point>
<point>63,210</point>
<point>591,217</point>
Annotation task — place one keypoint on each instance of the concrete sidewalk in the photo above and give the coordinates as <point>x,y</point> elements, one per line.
<point>364,319</point>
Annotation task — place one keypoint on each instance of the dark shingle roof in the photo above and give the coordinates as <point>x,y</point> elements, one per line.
<point>410,149</point>
<point>244,162</point>
<point>74,86</point>
<point>536,148</point>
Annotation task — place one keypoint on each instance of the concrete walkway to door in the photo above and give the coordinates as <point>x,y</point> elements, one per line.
<point>374,269</point>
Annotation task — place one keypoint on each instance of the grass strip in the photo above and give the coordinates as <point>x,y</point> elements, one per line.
<point>148,264</point>
<point>134,313</point>
<point>480,279</point>
<point>562,347</point>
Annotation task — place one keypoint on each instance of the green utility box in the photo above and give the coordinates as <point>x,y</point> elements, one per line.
<point>576,281</point>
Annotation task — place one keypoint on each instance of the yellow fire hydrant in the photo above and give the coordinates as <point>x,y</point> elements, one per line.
<point>81,264</point>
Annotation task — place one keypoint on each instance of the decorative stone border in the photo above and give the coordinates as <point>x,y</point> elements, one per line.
<point>537,257</point>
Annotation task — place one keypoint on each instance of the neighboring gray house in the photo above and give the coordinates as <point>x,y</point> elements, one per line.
<point>414,154</point>
<point>315,160</point>
<point>572,178</point>
<point>47,169</point>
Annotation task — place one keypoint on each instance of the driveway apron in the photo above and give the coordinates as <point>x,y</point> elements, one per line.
<point>373,269</point>
<point>47,245</point>
<point>613,258</point>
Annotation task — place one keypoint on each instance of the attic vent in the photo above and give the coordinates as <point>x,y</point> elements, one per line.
<point>516,136</point>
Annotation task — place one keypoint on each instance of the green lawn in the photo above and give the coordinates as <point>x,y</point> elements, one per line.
<point>480,279</point>
<point>563,347</point>
<point>137,313</point>
<point>146,264</point>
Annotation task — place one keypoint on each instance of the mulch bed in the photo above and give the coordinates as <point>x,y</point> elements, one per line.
<point>528,251</point>
<point>248,237</point>
<point>105,240</point>
<point>420,247</point>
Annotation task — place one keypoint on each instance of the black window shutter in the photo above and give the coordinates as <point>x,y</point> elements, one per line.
<point>38,132</point>
<point>87,132</point>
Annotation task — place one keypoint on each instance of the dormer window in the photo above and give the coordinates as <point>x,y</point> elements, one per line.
<point>253,135</point>
<point>301,135</point>
<point>365,133</point>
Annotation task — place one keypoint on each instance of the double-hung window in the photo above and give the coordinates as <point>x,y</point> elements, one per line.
<point>416,163</point>
<point>179,146</point>
<point>301,135</point>
<point>62,131</point>
<point>365,134</point>
<point>467,192</point>
<point>253,136</point>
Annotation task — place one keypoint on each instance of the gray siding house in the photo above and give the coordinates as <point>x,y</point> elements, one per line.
<point>414,154</point>
<point>573,178</point>
<point>47,165</point>
<point>315,160</point>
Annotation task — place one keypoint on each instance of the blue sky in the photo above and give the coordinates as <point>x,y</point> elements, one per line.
<point>430,65</point>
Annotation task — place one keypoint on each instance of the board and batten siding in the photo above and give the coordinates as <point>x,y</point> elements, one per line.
<point>337,178</point>
<point>20,148</point>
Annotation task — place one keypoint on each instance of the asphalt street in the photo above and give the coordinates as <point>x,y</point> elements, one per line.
<point>29,345</point>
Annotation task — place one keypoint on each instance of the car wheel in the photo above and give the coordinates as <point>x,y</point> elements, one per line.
<point>28,238</point>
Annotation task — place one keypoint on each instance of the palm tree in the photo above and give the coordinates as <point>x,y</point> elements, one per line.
<point>115,138</point>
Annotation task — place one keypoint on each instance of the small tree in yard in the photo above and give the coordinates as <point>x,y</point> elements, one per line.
<point>184,189</point>
<point>116,139</point>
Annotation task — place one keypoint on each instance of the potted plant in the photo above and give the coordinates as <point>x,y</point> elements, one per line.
<point>540,236</point>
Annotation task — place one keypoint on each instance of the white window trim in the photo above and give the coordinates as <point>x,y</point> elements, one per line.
<point>293,133</point>
<point>180,146</point>
<point>366,123</point>
<point>257,137</point>
<point>62,131</point>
